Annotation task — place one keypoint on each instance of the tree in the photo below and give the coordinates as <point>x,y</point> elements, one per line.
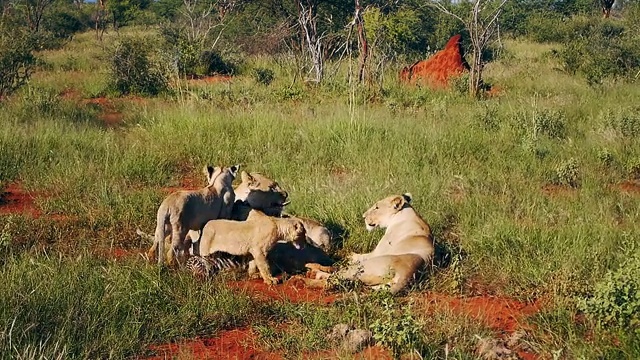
<point>606,7</point>
<point>34,12</point>
<point>311,39</point>
<point>482,25</point>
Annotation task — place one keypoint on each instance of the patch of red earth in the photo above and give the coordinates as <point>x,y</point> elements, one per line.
<point>109,115</point>
<point>630,186</point>
<point>242,344</point>
<point>70,94</point>
<point>117,253</point>
<point>494,91</point>
<point>501,314</point>
<point>15,200</point>
<point>229,344</point>
<point>374,352</point>
<point>210,80</point>
<point>293,291</point>
<point>555,190</point>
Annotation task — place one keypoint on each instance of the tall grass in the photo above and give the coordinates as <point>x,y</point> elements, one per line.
<point>478,171</point>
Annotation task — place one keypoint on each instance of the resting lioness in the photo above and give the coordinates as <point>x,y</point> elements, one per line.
<point>407,246</point>
<point>256,237</point>
<point>188,210</point>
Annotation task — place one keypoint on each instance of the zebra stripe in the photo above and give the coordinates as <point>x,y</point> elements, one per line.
<point>207,266</point>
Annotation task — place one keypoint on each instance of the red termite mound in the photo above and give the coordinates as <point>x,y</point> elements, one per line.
<point>437,70</point>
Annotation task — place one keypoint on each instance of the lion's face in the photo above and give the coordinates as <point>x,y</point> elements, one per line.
<point>222,175</point>
<point>299,234</point>
<point>262,193</point>
<point>380,213</point>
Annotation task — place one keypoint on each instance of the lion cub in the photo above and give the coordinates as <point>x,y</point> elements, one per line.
<point>186,210</point>
<point>256,237</point>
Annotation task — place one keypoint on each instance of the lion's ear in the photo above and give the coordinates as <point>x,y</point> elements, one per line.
<point>234,170</point>
<point>397,202</point>
<point>247,178</point>
<point>252,180</point>
<point>208,171</point>
<point>407,197</point>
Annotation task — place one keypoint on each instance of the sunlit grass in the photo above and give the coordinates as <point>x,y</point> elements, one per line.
<point>478,171</point>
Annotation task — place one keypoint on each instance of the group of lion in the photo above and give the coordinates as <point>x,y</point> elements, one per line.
<point>221,226</point>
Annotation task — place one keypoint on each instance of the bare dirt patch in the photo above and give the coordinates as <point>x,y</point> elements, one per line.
<point>555,190</point>
<point>109,114</point>
<point>502,314</point>
<point>293,291</point>
<point>15,200</point>
<point>229,344</point>
<point>214,79</point>
<point>630,187</point>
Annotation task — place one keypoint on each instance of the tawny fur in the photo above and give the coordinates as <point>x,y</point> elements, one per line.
<point>405,248</point>
<point>186,210</point>
<point>256,237</point>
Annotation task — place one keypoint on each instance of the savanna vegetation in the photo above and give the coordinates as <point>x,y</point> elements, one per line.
<point>532,190</point>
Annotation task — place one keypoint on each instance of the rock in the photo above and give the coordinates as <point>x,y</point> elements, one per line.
<point>350,339</point>
<point>357,340</point>
<point>339,332</point>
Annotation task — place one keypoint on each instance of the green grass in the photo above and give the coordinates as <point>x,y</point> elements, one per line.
<point>476,169</point>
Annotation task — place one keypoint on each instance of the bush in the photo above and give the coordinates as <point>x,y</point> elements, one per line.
<point>134,71</point>
<point>626,121</point>
<point>193,59</point>
<point>549,123</point>
<point>599,49</point>
<point>568,173</point>
<point>263,76</point>
<point>396,327</point>
<point>16,59</point>
<point>212,63</point>
<point>633,168</point>
<point>616,299</point>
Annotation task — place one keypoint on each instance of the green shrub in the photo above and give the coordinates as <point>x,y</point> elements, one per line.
<point>544,27</point>
<point>549,123</point>
<point>134,70</point>
<point>605,157</point>
<point>16,59</point>
<point>633,168</point>
<point>263,76</point>
<point>625,121</point>
<point>212,62</point>
<point>568,173</point>
<point>599,49</point>
<point>616,299</point>
<point>396,327</point>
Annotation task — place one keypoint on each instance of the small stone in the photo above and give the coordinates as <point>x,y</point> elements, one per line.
<point>357,339</point>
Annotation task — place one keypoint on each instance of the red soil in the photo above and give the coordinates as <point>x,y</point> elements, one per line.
<point>210,80</point>
<point>109,116</point>
<point>229,344</point>
<point>294,291</point>
<point>553,190</point>
<point>15,200</point>
<point>630,186</point>
<point>437,70</point>
<point>501,314</point>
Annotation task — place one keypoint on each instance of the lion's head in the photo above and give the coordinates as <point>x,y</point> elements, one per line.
<point>378,215</point>
<point>261,193</point>
<point>297,233</point>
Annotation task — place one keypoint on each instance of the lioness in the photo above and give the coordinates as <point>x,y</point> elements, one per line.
<point>256,237</point>
<point>188,210</point>
<point>258,192</point>
<point>407,245</point>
